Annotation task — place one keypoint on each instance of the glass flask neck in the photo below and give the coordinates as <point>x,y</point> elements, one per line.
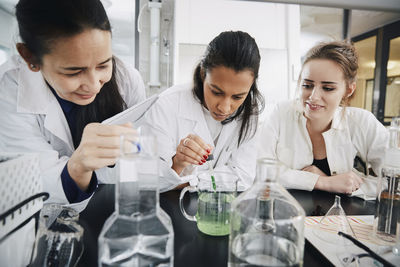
<point>137,187</point>
<point>392,154</point>
<point>267,170</point>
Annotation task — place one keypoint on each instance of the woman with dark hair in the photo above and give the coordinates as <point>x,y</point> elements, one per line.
<point>217,114</point>
<point>317,137</point>
<point>54,94</point>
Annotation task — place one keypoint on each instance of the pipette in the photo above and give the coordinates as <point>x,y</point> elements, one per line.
<point>209,159</point>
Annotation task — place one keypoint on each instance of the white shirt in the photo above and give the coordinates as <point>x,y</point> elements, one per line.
<point>354,132</point>
<point>177,114</point>
<point>32,121</point>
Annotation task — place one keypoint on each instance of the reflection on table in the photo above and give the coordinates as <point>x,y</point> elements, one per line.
<point>193,248</point>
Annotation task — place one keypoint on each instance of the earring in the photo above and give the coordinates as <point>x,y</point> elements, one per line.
<point>32,66</point>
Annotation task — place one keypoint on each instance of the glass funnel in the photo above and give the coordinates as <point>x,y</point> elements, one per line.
<point>267,223</point>
<point>334,221</point>
<point>139,232</point>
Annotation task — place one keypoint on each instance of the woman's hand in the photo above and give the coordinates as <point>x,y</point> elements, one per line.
<point>314,169</point>
<point>191,150</point>
<point>345,183</point>
<point>99,147</point>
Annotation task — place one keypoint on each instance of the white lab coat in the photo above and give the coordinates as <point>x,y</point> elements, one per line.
<point>353,132</point>
<point>32,120</point>
<point>175,115</point>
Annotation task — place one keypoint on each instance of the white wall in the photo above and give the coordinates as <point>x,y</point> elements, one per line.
<point>121,14</point>
<point>8,35</point>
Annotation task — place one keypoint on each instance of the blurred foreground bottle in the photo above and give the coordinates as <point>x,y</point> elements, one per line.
<point>139,232</point>
<point>387,213</point>
<point>267,223</point>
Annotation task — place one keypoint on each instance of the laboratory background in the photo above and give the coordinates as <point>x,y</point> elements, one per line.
<point>165,39</point>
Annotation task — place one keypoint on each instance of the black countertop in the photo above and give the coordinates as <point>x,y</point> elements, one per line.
<point>193,248</point>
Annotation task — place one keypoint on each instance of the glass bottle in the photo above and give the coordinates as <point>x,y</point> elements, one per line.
<point>387,213</point>
<point>139,232</point>
<point>267,223</point>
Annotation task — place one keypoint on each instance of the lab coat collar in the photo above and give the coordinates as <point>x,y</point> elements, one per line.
<point>35,97</point>
<point>191,109</point>
<point>338,121</point>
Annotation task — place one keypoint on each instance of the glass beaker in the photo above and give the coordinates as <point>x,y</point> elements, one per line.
<point>214,202</point>
<point>387,213</point>
<point>267,223</point>
<point>139,232</point>
<point>59,239</point>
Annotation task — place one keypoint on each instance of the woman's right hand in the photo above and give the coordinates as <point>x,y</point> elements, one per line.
<point>345,183</point>
<point>99,147</point>
<point>191,150</point>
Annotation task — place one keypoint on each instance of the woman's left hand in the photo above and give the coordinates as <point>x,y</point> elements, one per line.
<point>314,169</point>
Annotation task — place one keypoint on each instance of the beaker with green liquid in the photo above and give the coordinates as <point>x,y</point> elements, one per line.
<point>214,202</point>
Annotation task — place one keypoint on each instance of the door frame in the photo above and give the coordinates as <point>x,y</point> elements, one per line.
<point>383,37</point>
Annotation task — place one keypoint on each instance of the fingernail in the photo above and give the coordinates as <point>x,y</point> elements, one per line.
<point>203,160</point>
<point>208,151</point>
<point>205,156</point>
<point>200,163</point>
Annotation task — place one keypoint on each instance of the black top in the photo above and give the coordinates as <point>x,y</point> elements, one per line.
<point>323,165</point>
<point>73,193</point>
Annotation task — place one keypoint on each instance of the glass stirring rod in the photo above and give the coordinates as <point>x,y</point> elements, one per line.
<point>211,169</point>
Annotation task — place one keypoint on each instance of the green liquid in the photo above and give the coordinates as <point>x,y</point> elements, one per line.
<point>213,213</point>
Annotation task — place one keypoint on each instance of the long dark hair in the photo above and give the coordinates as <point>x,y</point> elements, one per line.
<point>236,50</point>
<point>41,22</point>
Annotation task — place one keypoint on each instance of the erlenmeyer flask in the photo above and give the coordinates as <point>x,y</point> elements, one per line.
<point>267,223</point>
<point>334,221</point>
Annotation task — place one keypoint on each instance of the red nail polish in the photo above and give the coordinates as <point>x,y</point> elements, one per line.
<point>200,163</point>
<point>205,156</point>
<point>203,160</point>
<point>208,151</point>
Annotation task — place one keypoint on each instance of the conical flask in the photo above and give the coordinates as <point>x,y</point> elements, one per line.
<point>334,221</point>
<point>139,232</point>
<point>267,223</point>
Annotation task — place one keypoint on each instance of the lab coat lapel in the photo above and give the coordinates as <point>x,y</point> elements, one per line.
<point>191,109</point>
<point>35,97</point>
<point>57,124</point>
<point>227,139</point>
<point>339,150</point>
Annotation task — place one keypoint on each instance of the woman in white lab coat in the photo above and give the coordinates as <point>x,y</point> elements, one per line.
<point>317,137</point>
<point>217,115</point>
<point>53,96</point>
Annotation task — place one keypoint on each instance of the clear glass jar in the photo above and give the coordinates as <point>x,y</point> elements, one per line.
<point>59,241</point>
<point>387,213</point>
<point>267,223</point>
<point>139,232</point>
